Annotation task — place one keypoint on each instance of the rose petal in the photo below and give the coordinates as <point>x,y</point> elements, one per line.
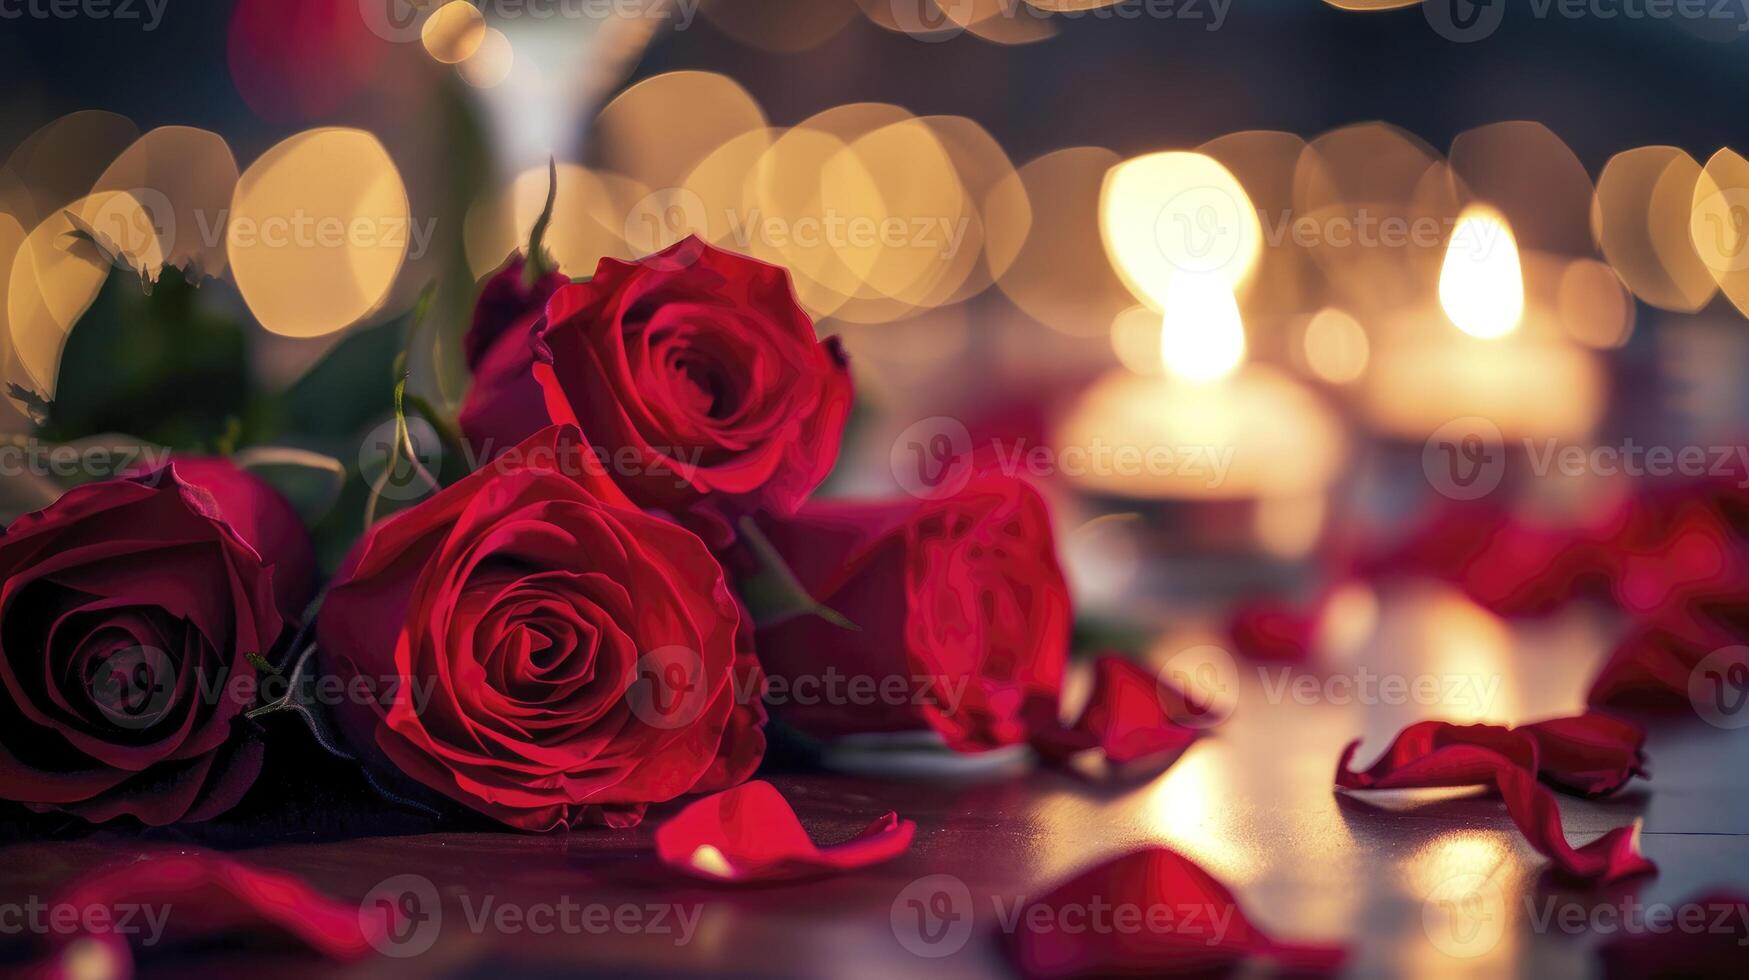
<point>750,834</point>
<point>1434,754</point>
<point>1651,666</point>
<point>1131,715</point>
<point>1590,754</point>
<point>200,897</point>
<point>1201,928</point>
<point>1274,630</point>
<point>1692,954</point>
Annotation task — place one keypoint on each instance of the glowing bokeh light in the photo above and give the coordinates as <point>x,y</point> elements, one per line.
<point>1719,224</point>
<point>319,228</point>
<point>491,61</point>
<point>1335,346</point>
<point>1059,275</point>
<point>1640,221</point>
<point>182,179</point>
<point>590,218</point>
<point>1168,214</point>
<point>454,32</point>
<point>53,280</point>
<point>657,130</point>
<point>1594,306</point>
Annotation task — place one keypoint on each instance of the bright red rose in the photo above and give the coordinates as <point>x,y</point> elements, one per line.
<point>962,611</point>
<point>128,612</point>
<point>538,655</point>
<point>694,374</point>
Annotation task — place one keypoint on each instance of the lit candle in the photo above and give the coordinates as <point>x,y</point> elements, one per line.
<point>1497,358</point>
<point>1214,427</point>
<point>1183,235</point>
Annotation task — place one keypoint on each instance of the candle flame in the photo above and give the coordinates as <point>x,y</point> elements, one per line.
<point>1202,338</point>
<point>1481,285</point>
<point>1164,215</point>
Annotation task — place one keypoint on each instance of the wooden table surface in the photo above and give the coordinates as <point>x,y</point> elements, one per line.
<point>1253,804</point>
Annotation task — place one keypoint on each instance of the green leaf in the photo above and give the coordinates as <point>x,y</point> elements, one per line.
<point>348,390</point>
<point>310,480</point>
<point>773,594</point>
<point>164,367</point>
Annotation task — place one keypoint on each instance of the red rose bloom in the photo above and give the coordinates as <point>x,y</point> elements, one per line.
<point>539,655</point>
<point>962,611</point>
<point>128,611</point>
<point>694,374</point>
<point>506,402</point>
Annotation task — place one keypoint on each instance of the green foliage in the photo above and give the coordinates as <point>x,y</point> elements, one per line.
<point>162,367</point>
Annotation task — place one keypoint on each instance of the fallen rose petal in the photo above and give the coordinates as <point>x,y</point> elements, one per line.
<point>1653,665</point>
<point>1431,755</point>
<point>1130,715</point>
<point>1274,630</point>
<point>1687,953</point>
<point>1506,563</point>
<point>750,834</point>
<point>1589,754</point>
<point>197,897</point>
<point>1189,923</point>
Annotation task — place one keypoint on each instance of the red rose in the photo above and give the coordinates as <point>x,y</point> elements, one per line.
<point>506,400</point>
<point>128,612</point>
<point>694,374</point>
<point>962,611</point>
<point>538,655</point>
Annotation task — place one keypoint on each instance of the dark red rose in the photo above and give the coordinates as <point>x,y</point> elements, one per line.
<point>506,399</point>
<point>128,613</point>
<point>538,655</point>
<point>508,305</point>
<point>694,374</point>
<point>963,613</point>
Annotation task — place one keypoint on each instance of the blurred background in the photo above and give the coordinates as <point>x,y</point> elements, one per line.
<point>1247,288</point>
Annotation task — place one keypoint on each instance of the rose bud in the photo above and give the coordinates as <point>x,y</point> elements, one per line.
<point>129,612</point>
<point>497,350</point>
<point>693,373</point>
<point>961,610</point>
<point>539,654</point>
